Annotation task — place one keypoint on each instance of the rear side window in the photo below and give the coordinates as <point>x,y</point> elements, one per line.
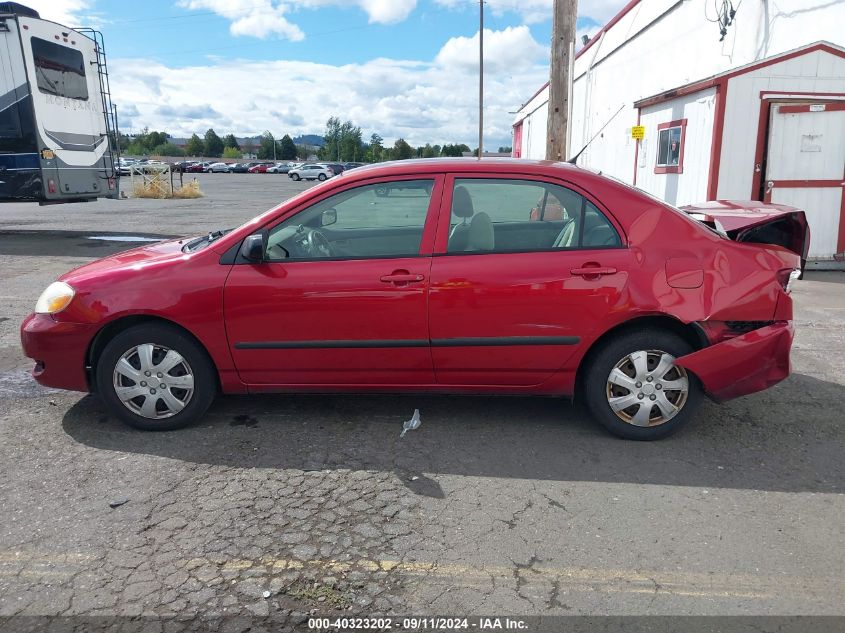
<point>497,215</point>
<point>59,70</point>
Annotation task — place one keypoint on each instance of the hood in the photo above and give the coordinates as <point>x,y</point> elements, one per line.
<point>150,255</point>
<point>755,222</point>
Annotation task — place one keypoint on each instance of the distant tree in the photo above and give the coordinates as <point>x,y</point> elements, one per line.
<point>267,149</point>
<point>231,152</point>
<point>454,150</point>
<point>401,150</point>
<point>136,149</point>
<point>154,139</point>
<point>287,148</point>
<point>342,141</point>
<point>230,141</point>
<point>302,152</point>
<point>505,150</point>
<point>168,149</point>
<point>376,147</point>
<point>213,143</point>
<point>428,151</point>
<point>195,146</point>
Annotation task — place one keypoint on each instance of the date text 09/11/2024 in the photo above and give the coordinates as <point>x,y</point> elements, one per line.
<point>418,624</point>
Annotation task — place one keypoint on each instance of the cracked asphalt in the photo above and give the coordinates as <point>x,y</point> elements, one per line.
<point>283,506</point>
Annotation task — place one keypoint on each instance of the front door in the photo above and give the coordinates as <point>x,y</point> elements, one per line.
<point>526,272</point>
<point>806,169</point>
<point>342,294</point>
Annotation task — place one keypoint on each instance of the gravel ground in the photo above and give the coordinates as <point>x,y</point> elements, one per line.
<point>281,506</point>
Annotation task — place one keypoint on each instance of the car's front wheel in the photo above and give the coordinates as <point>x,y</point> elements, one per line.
<point>634,389</point>
<point>296,177</point>
<point>155,377</point>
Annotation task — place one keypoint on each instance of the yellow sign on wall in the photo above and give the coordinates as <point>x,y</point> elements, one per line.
<point>638,132</point>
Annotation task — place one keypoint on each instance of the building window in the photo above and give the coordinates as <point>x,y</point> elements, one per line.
<point>671,138</point>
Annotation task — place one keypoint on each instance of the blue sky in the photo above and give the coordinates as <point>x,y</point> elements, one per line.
<point>396,67</point>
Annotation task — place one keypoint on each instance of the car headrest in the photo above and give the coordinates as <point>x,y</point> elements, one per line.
<point>461,203</point>
<point>481,236</point>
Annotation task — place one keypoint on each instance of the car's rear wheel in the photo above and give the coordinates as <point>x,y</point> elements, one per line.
<point>321,177</point>
<point>634,389</point>
<point>155,377</point>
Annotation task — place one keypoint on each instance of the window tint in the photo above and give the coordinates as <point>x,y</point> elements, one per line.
<point>382,220</point>
<point>521,215</point>
<point>669,147</point>
<point>59,70</point>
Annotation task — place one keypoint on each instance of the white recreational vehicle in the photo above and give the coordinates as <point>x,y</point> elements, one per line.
<point>56,123</point>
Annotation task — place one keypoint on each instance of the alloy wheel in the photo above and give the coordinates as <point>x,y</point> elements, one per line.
<point>646,388</point>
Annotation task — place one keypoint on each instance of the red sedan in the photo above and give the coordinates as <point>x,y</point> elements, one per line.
<point>457,281</point>
<point>260,168</point>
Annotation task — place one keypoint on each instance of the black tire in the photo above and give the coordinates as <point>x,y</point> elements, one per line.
<point>605,359</point>
<point>166,336</point>
<point>321,177</point>
<point>296,177</point>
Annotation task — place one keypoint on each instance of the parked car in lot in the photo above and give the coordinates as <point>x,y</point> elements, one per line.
<point>197,168</point>
<point>352,165</point>
<point>124,165</point>
<point>495,276</point>
<point>181,165</point>
<point>260,168</point>
<point>241,168</point>
<point>336,168</point>
<point>219,168</point>
<point>311,172</point>
<point>279,168</point>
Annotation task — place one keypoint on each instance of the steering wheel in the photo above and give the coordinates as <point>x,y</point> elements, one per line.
<point>564,238</point>
<point>318,245</point>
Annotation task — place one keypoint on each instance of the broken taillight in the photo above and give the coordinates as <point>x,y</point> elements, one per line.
<point>787,276</point>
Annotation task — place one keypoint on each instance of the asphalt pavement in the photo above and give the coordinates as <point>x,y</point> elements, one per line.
<point>281,506</point>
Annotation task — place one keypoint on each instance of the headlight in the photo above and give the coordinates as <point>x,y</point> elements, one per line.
<point>55,299</point>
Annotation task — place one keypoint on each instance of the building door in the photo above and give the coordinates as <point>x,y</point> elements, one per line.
<point>806,169</point>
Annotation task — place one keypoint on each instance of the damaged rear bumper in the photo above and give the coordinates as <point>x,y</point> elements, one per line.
<point>744,364</point>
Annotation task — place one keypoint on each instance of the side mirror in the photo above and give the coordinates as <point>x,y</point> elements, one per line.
<point>328,217</point>
<point>252,248</point>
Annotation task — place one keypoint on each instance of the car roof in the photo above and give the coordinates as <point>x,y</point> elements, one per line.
<point>471,165</point>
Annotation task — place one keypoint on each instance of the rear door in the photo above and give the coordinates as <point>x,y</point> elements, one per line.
<point>524,271</point>
<point>806,169</point>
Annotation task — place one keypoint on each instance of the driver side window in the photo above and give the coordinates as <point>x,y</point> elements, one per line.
<point>379,220</point>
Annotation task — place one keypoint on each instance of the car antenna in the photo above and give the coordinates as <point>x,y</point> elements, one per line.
<point>574,159</point>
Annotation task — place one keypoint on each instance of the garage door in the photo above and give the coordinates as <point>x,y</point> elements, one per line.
<point>806,169</point>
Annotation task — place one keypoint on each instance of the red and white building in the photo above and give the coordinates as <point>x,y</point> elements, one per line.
<point>759,115</point>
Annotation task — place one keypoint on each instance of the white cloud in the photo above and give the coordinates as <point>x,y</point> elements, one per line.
<point>250,17</point>
<point>378,11</point>
<point>422,102</point>
<point>262,18</point>
<point>512,48</point>
<point>65,12</point>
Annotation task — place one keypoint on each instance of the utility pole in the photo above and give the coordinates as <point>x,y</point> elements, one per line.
<point>563,44</point>
<point>480,78</point>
